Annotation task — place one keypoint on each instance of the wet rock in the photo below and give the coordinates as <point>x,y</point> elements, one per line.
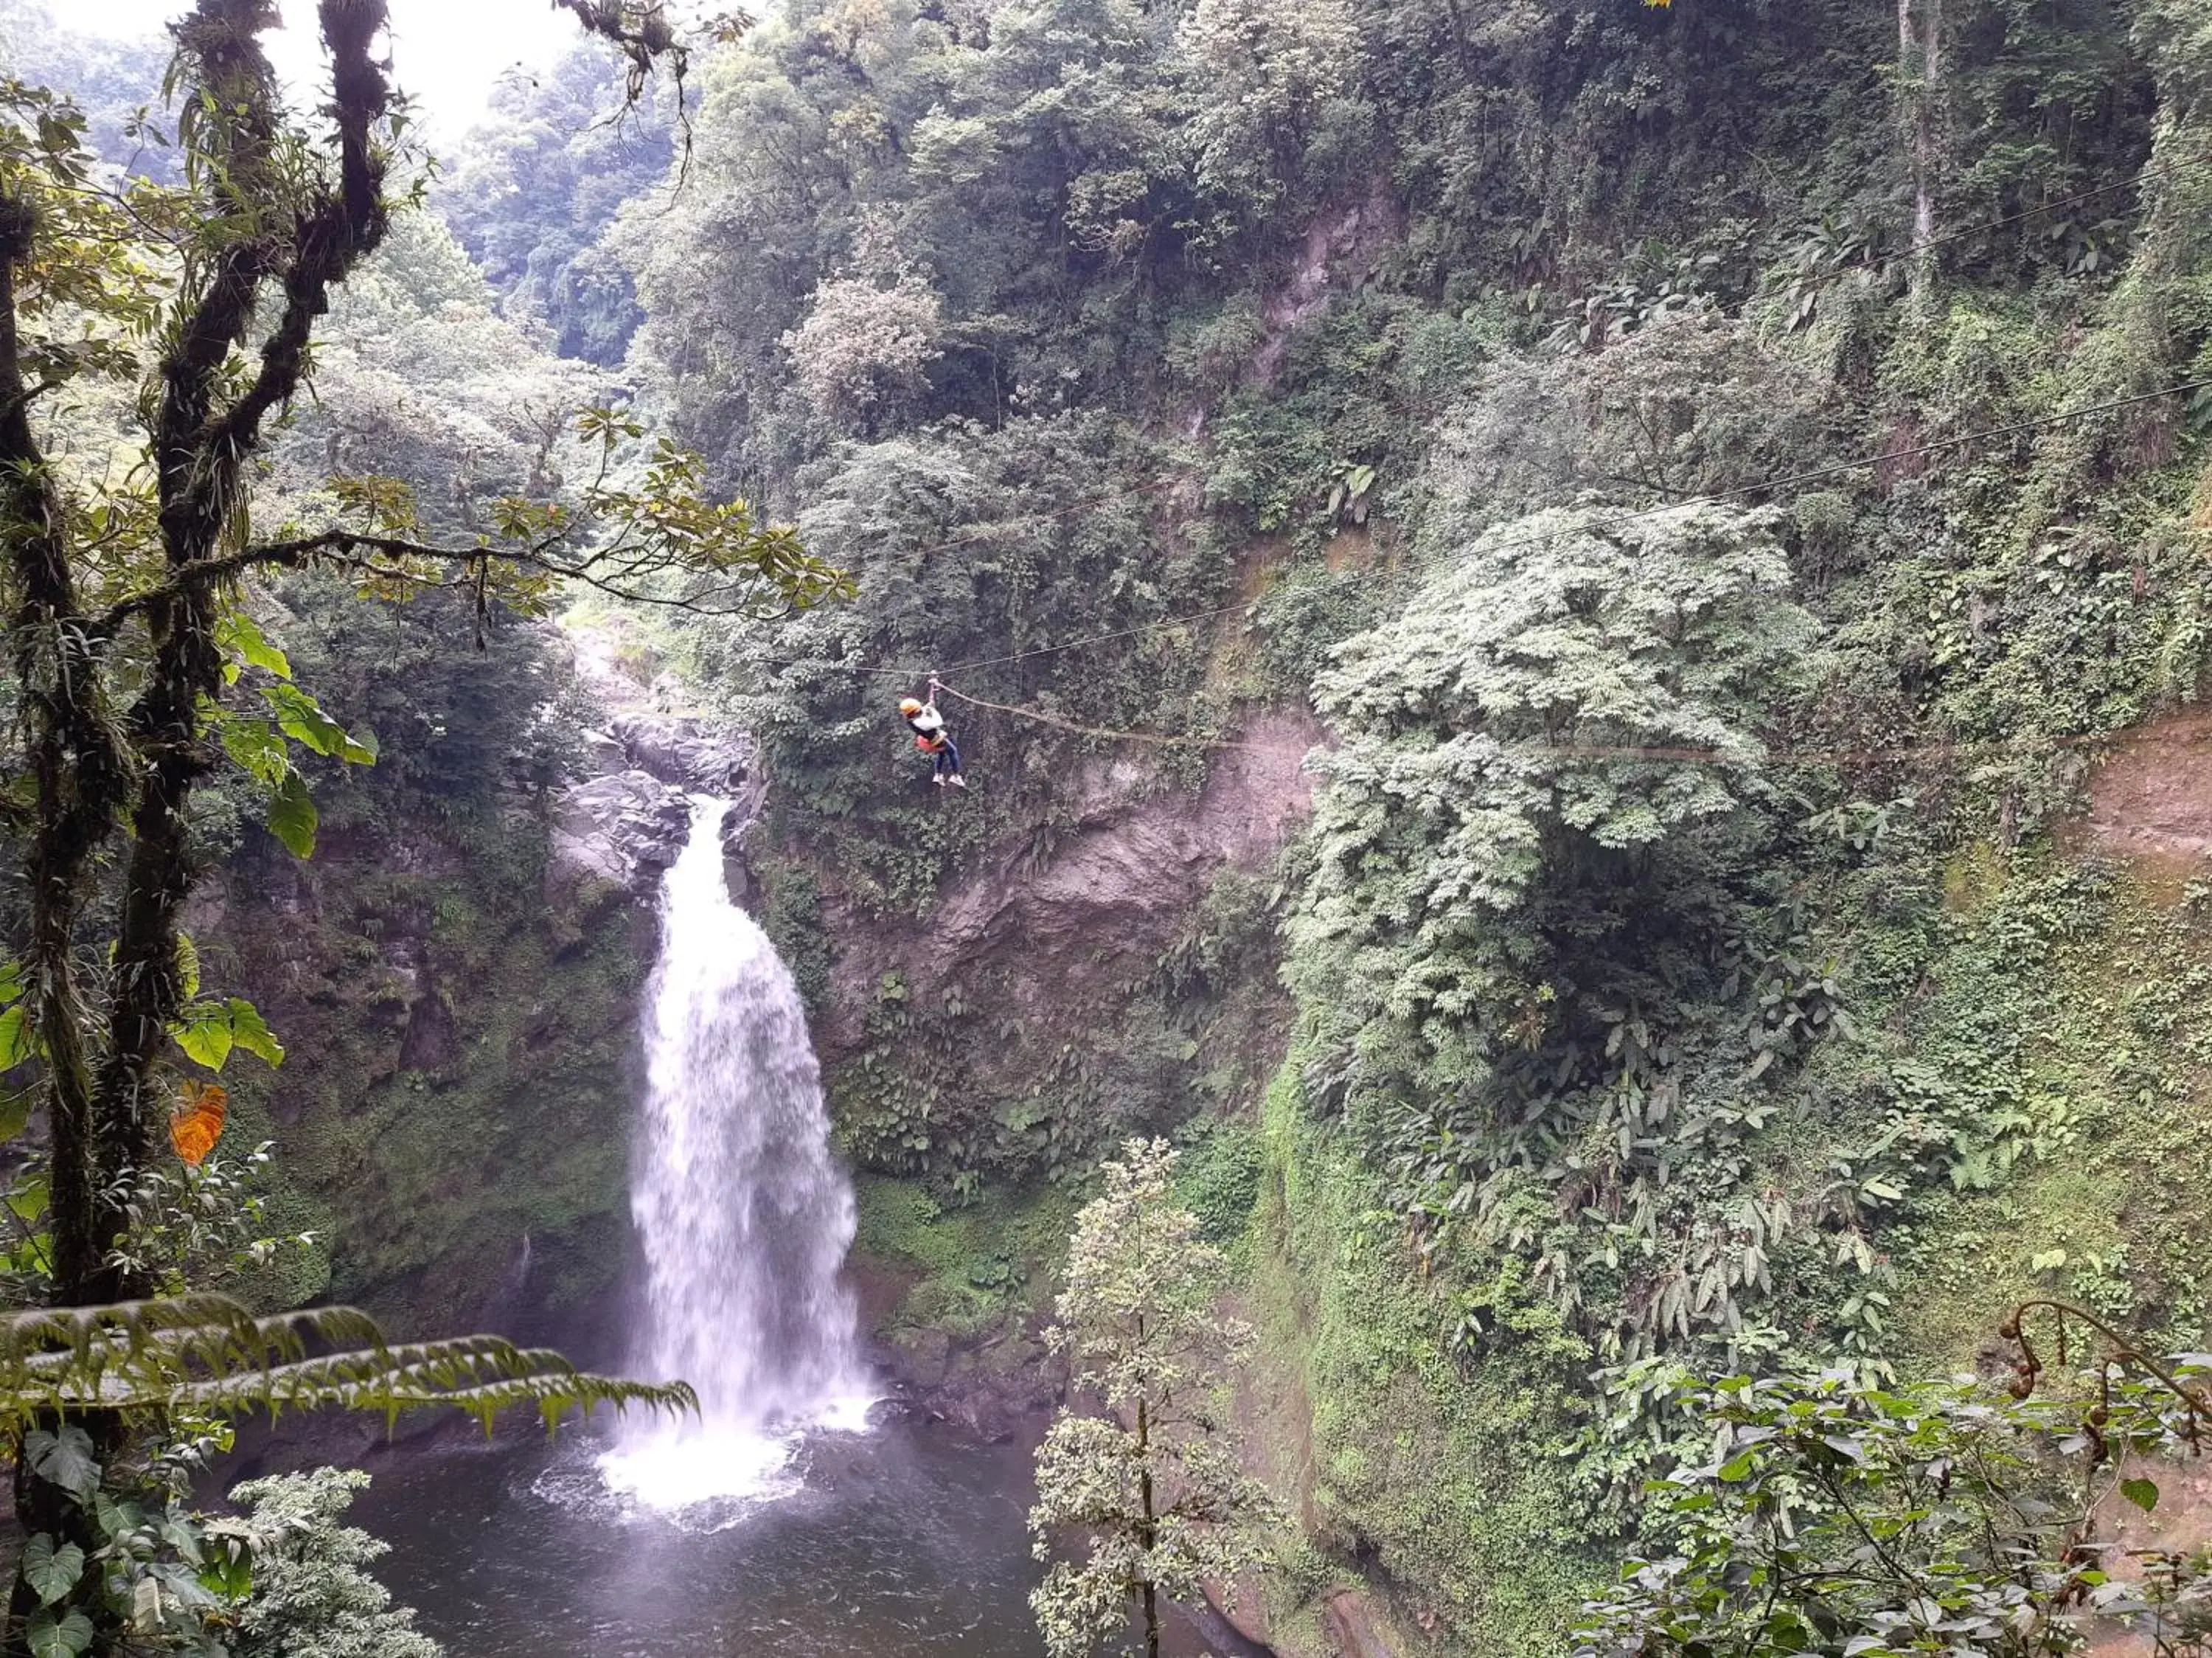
<point>626,827</point>
<point>428,1041</point>
<point>1224,1630</point>
<point>991,1390</point>
<point>737,874</point>
<point>1130,863</point>
<point>690,754</point>
<point>990,1410</point>
<point>604,752</point>
<point>923,1357</point>
<point>628,823</point>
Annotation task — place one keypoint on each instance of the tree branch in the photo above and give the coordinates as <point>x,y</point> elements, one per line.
<point>200,456</point>
<point>345,546</point>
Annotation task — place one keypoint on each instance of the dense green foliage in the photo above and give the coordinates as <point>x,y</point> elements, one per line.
<point>1456,1482</point>
<point>1698,972</point>
<point>1509,925</point>
<point>1831,1517</point>
<point>1520,364</point>
<point>533,191</point>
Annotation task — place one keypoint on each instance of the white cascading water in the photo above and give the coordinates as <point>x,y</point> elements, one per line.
<point>743,1211</point>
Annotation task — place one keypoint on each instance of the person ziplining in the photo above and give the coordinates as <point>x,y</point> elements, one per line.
<point>934,739</point>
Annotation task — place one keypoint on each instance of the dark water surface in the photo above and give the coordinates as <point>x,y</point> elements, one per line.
<point>901,1544</point>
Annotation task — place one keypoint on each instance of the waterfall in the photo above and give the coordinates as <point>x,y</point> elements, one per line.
<point>743,1212</point>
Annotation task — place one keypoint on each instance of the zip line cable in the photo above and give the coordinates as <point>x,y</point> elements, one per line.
<point>1763,486</point>
<point>1863,462</point>
<point>1616,751</point>
<point>1913,452</point>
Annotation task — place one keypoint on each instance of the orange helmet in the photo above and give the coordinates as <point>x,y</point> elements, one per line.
<point>910,706</point>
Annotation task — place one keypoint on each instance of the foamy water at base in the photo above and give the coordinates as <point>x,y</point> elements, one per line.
<point>716,1474</point>
<point>899,1542</point>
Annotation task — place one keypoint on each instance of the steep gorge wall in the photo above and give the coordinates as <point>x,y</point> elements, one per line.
<point>460,1003</point>
<point>1122,981</point>
<point>459,1061</point>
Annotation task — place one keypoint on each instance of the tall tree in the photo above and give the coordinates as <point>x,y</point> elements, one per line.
<point>1154,1485</point>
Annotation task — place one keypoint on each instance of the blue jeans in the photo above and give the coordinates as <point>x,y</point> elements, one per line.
<point>948,760</point>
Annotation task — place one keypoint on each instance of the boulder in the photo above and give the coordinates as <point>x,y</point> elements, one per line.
<point>625,827</point>
<point>688,753</point>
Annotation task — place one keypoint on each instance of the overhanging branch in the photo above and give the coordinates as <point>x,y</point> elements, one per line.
<point>387,557</point>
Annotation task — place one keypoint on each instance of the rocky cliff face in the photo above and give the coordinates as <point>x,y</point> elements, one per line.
<point>460,1034</point>
<point>1065,934</point>
<point>627,819</point>
<point>1120,978</point>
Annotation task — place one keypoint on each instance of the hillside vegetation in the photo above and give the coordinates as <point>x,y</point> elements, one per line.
<point>1575,627</point>
<point>1720,472</point>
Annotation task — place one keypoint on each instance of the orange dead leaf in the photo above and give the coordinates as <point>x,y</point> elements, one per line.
<point>197,1123</point>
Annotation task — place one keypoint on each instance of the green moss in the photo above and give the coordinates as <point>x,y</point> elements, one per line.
<point>1447,1484</point>
<point>1218,1179</point>
<point>792,921</point>
<point>2106,1203</point>
<point>974,1267</point>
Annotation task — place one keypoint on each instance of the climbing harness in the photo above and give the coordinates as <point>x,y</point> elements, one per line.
<point>933,737</point>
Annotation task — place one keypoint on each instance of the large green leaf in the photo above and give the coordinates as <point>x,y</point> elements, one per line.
<point>15,1036</point>
<point>242,640</point>
<point>52,1572</point>
<point>258,748</point>
<point>293,817</point>
<point>63,1457</point>
<point>250,1032</point>
<point>229,1574</point>
<point>64,1638</point>
<point>30,1196</point>
<point>210,1031</point>
<point>207,1353</point>
<point>301,717</point>
<point>204,1033</point>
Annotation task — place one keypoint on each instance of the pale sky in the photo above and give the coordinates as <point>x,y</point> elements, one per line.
<point>446,53</point>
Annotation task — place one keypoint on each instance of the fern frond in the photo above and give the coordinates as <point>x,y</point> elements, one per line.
<point>208,1353</point>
